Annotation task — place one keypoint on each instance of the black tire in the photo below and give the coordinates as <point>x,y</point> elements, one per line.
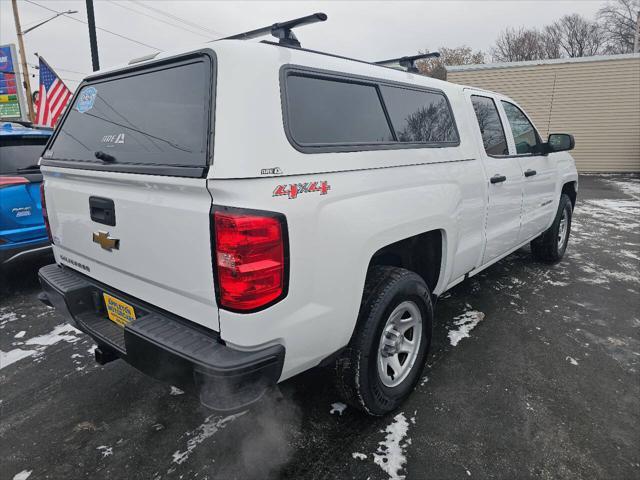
<point>358,379</point>
<point>546,247</point>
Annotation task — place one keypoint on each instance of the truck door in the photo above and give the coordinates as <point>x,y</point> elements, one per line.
<point>538,206</point>
<point>504,180</point>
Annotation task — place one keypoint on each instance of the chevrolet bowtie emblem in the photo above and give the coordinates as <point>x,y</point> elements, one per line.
<point>106,241</point>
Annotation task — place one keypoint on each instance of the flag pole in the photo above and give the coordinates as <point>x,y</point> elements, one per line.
<point>23,60</point>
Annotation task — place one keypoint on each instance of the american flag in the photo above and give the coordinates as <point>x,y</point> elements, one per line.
<point>54,96</point>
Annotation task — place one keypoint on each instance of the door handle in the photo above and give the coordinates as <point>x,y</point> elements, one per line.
<point>102,210</point>
<point>498,178</point>
<point>530,173</point>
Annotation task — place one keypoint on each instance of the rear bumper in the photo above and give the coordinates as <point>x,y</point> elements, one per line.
<point>10,252</point>
<point>164,346</point>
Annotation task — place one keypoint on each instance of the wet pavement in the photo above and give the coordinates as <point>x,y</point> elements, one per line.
<point>545,385</point>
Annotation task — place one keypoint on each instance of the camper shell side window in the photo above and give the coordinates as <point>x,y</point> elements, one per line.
<point>334,112</point>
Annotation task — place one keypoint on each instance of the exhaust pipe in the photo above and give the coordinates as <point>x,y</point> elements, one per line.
<point>104,356</point>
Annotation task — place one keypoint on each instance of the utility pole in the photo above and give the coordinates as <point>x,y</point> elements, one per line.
<point>23,60</point>
<point>93,40</point>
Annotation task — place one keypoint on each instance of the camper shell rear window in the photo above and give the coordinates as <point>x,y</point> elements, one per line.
<point>334,112</point>
<point>155,119</point>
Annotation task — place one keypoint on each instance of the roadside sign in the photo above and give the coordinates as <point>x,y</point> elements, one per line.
<point>12,100</point>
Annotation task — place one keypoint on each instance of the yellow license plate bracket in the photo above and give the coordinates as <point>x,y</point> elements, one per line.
<point>119,312</point>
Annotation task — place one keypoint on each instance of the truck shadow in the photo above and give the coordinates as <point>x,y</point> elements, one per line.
<point>21,277</point>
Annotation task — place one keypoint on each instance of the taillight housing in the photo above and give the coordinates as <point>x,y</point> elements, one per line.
<point>12,181</point>
<point>45,216</point>
<point>250,258</point>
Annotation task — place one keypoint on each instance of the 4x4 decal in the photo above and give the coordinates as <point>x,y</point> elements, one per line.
<point>292,190</point>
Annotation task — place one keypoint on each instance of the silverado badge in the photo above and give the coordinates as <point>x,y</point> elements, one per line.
<point>106,241</point>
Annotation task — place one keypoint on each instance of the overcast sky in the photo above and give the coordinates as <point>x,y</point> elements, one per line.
<point>361,29</point>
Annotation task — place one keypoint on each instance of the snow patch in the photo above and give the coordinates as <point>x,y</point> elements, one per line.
<point>627,207</point>
<point>631,188</point>
<point>105,450</point>
<point>390,455</point>
<point>20,334</point>
<point>6,317</point>
<point>359,456</point>
<point>12,356</point>
<point>338,408</point>
<point>572,360</point>
<point>209,427</point>
<point>63,332</point>
<point>58,334</point>
<point>465,323</point>
<point>23,475</point>
<point>175,391</point>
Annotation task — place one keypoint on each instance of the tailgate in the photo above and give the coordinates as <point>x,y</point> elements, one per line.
<point>125,184</point>
<point>162,230</point>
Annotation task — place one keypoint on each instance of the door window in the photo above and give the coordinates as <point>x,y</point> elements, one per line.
<point>524,135</point>
<point>493,137</point>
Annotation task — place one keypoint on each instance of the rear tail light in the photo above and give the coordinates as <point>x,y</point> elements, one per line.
<point>12,181</point>
<point>45,216</point>
<point>250,259</point>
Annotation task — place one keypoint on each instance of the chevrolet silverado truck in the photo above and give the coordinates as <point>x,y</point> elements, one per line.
<point>226,217</point>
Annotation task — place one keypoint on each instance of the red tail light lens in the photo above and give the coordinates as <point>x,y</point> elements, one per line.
<point>44,212</point>
<point>12,181</point>
<point>250,260</point>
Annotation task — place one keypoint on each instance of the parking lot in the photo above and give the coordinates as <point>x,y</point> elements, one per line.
<point>544,386</point>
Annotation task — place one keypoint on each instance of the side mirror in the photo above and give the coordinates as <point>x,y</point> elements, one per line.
<point>560,142</point>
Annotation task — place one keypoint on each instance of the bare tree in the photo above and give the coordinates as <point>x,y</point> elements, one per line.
<point>619,21</point>
<point>571,36</point>
<point>550,41</point>
<point>517,45</point>
<point>578,36</point>
<point>436,67</point>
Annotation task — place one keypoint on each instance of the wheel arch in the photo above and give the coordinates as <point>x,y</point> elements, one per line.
<point>570,188</point>
<point>423,253</point>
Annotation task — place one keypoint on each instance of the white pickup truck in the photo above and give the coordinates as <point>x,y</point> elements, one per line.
<point>227,217</point>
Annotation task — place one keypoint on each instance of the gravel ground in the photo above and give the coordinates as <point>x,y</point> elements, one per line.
<point>545,385</point>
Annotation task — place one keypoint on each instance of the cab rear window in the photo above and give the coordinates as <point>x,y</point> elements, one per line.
<point>20,154</point>
<point>157,118</point>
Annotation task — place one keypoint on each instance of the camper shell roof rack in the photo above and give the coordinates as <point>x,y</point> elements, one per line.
<point>282,30</point>
<point>286,38</point>
<point>408,63</point>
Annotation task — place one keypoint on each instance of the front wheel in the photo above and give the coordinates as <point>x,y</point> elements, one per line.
<point>551,245</point>
<point>383,362</point>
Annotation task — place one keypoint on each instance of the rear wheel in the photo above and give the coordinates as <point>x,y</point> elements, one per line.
<point>551,245</point>
<point>382,363</point>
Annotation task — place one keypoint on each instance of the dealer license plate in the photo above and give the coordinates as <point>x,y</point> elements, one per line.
<point>119,312</point>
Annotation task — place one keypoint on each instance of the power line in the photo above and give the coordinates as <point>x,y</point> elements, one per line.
<point>180,19</point>
<point>159,19</point>
<point>97,28</point>
<point>36,66</point>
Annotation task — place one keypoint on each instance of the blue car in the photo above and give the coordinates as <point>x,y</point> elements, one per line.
<point>22,228</point>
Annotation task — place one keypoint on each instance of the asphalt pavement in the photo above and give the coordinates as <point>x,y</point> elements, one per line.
<point>542,382</point>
